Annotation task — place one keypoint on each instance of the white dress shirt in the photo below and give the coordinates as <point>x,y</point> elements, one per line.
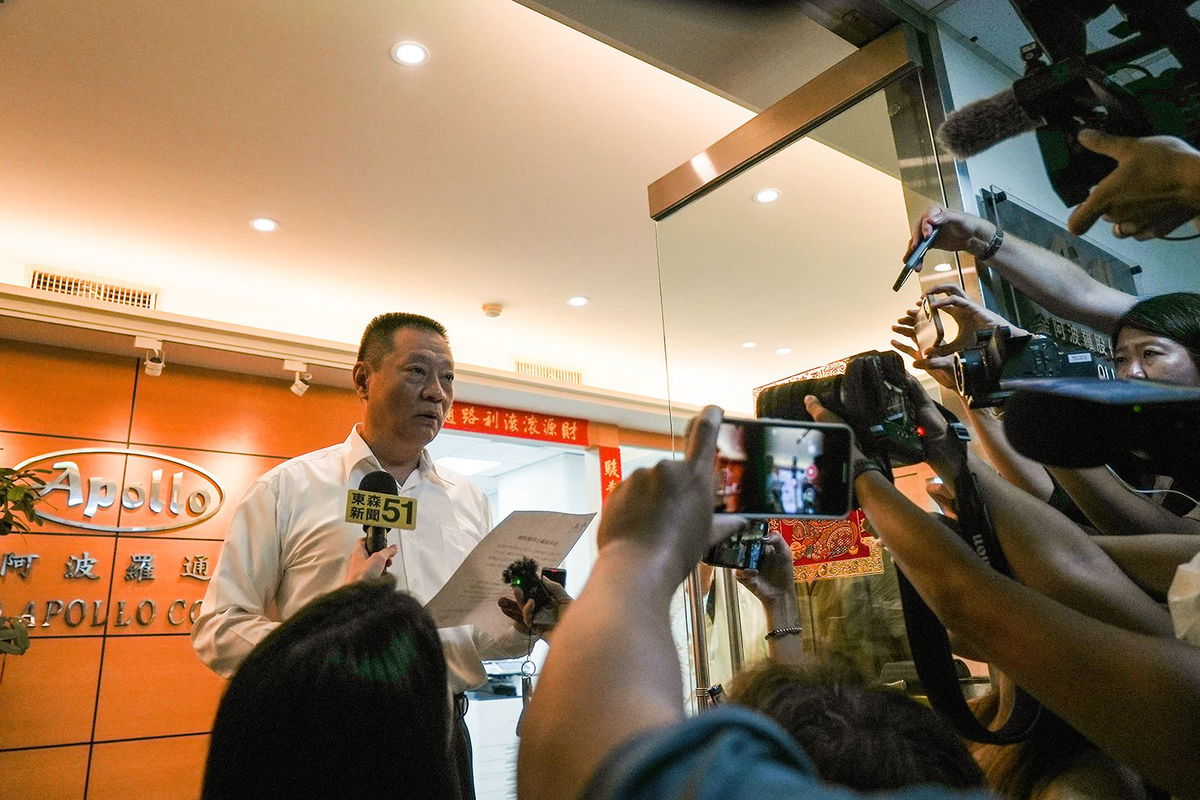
<point>288,544</point>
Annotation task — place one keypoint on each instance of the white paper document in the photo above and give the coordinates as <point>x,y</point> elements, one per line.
<point>469,597</point>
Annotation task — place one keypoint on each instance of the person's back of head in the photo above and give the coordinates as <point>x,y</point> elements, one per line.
<point>858,736</point>
<point>347,698</point>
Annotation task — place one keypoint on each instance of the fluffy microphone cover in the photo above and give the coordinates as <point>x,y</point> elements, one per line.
<point>977,126</point>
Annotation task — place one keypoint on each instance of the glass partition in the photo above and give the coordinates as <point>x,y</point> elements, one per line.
<point>784,265</point>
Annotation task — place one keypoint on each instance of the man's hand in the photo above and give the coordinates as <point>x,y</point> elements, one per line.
<point>1154,189</point>
<point>363,566</point>
<point>774,579</point>
<point>956,231</point>
<point>520,610</point>
<point>665,514</point>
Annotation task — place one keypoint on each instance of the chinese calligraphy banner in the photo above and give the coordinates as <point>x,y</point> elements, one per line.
<point>839,548</point>
<point>478,418</point>
<point>610,470</point>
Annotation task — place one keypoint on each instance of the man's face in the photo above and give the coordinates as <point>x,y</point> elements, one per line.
<point>409,392</point>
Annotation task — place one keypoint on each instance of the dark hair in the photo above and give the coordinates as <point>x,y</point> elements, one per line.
<point>377,336</point>
<point>856,735</point>
<point>347,698</point>
<point>1175,316</point>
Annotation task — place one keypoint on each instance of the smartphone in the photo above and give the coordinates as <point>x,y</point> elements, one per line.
<point>914,260</point>
<point>928,330</point>
<point>743,550</point>
<point>773,468</point>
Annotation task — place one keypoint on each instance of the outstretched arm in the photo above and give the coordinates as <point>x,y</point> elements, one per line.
<point>1049,280</point>
<point>615,646</point>
<point>1094,675</point>
<point>774,584</point>
<point>1114,509</point>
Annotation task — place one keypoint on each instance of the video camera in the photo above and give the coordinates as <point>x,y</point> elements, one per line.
<point>1080,423</point>
<point>988,373</point>
<point>866,390</point>
<point>1066,88</point>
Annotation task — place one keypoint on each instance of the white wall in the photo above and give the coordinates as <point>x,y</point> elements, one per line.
<point>1016,166</point>
<point>560,483</point>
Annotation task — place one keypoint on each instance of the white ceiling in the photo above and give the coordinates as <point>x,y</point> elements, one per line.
<point>138,138</point>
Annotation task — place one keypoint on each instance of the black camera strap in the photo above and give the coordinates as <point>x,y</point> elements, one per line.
<point>932,657</point>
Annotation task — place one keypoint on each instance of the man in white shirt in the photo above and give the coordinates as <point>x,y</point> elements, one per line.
<point>288,542</point>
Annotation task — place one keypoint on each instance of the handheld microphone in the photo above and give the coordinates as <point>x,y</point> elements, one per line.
<point>382,483</point>
<point>977,126</point>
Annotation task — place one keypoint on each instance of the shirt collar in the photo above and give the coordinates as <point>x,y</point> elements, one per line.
<point>359,452</point>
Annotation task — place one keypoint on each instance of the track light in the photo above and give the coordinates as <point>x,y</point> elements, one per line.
<point>302,378</point>
<point>154,361</point>
<point>300,385</point>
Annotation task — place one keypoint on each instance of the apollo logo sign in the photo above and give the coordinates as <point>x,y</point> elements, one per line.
<point>168,492</point>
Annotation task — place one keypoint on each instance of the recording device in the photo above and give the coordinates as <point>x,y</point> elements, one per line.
<point>988,373</point>
<point>742,550</point>
<point>1066,89</point>
<point>928,330</point>
<point>382,483</point>
<point>770,468</point>
<point>913,262</point>
<point>868,391</point>
<point>1087,422</point>
<point>523,574</point>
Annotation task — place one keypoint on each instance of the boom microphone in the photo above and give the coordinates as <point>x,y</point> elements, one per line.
<point>382,483</point>
<point>977,126</point>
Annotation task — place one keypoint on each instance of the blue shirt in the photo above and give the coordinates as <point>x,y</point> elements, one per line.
<point>727,754</point>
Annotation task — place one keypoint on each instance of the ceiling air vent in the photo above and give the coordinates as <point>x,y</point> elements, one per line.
<point>92,288</point>
<point>546,372</point>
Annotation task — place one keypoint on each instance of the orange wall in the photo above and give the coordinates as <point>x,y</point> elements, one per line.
<point>104,709</point>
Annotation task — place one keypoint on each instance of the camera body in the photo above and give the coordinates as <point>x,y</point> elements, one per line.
<point>988,373</point>
<point>868,391</point>
<point>742,550</point>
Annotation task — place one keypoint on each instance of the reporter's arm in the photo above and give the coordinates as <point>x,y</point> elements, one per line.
<point>1114,509</point>
<point>613,671</point>
<point>1048,279</point>
<point>1096,676</point>
<point>1053,555</point>
<point>1024,473</point>
<point>774,585</point>
<point>1150,561</point>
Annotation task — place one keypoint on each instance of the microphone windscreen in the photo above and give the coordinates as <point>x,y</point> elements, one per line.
<point>977,126</point>
<point>380,482</point>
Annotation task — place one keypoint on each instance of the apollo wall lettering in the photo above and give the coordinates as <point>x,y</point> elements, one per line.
<point>172,490</point>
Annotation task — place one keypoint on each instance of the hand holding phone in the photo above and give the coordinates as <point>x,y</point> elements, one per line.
<point>913,262</point>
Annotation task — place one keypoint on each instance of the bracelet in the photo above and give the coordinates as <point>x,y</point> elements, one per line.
<point>776,633</point>
<point>992,247</point>
<point>863,465</point>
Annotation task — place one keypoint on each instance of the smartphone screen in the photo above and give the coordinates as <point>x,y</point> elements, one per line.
<point>928,330</point>
<point>770,468</point>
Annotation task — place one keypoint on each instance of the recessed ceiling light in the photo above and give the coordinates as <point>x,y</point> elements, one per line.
<point>782,351</point>
<point>943,268</point>
<point>264,224</point>
<point>766,195</point>
<point>409,53</point>
<point>578,300</point>
<point>749,345</point>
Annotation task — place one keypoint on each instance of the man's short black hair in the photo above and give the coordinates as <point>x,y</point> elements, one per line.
<point>377,337</point>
